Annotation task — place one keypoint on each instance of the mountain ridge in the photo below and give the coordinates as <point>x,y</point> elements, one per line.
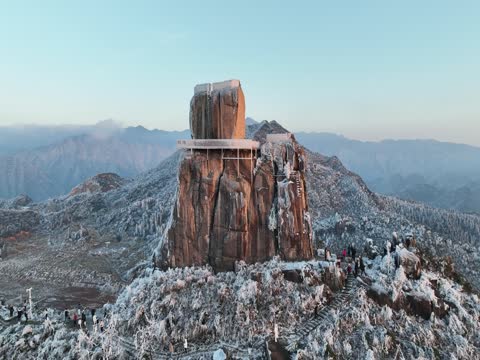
<point>440,174</point>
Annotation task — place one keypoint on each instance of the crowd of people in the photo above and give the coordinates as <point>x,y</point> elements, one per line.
<point>79,319</point>
<point>351,253</point>
<point>22,311</point>
<point>356,263</point>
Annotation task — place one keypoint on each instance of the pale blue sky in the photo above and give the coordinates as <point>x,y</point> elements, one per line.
<point>366,69</point>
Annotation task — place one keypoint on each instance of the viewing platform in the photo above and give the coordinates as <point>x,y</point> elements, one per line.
<point>218,144</point>
<point>229,149</point>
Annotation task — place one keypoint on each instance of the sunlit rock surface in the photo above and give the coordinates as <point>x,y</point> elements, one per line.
<point>241,210</point>
<point>217,111</point>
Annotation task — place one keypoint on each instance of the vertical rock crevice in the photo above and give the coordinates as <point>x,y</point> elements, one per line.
<point>231,206</point>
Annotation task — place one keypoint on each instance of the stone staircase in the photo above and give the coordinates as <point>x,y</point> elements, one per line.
<point>293,339</point>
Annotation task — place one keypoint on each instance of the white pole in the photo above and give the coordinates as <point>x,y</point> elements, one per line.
<point>29,291</point>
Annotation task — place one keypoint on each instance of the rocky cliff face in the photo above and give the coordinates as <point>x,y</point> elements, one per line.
<point>217,111</point>
<point>248,210</point>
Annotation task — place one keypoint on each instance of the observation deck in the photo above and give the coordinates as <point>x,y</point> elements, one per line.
<point>218,144</point>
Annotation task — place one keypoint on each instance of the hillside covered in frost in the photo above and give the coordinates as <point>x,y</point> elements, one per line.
<point>98,242</point>
<point>386,316</point>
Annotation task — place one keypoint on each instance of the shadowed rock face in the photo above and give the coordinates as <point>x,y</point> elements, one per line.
<point>217,111</point>
<point>226,212</point>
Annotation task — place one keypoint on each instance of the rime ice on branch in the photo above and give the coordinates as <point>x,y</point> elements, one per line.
<point>238,199</point>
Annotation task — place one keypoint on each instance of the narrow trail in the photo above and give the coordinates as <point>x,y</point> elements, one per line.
<point>291,340</point>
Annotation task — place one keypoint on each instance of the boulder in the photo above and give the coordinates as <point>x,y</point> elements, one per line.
<point>27,330</point>
<point>293,275</point>
<point>419,304</point>
<point>334,278</point>
<point>217,111</point>
<point>379,295</point>
<point>219,355</point>
<point>410,262</point>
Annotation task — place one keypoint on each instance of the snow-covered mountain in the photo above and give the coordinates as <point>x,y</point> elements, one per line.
<point>440,174</point>
<point>100,241</point>
<point>44,162</point>
<point>53,170</point>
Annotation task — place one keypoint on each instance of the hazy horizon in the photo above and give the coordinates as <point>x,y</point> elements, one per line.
<point>110,125</point>
<point>368,71</point>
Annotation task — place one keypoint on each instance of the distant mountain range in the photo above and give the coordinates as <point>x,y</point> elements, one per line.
<point>438,173</point>
<point>62,163</point>
<point>45,162</point>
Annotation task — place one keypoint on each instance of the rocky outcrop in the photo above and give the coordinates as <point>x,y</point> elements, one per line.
<point>217,111</point>
<point>21,201</point>
<point>13,222</point>
<point>99,184</point>
<point>250,209</point>
<point>411,263</point>
<point>233,203</point>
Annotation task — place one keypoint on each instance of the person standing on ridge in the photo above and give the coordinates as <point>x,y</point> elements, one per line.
<point>84,319</point>
<point>362,266</point>
<point>393,246</point>
<point>357,267</point>
<point>344,254</point>
<point>397,260</point>
<point>154,262</point>
<point>353,251</point>
<point>94,319</point>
